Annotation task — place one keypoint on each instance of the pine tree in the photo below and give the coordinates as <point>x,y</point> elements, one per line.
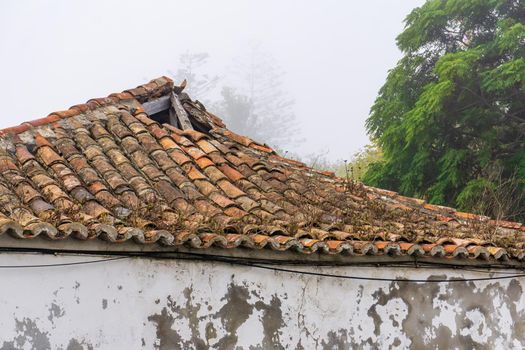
<point>256,103</point>
<point>190,68</point>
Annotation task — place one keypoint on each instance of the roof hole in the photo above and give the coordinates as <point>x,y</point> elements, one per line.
<point>162,117</point>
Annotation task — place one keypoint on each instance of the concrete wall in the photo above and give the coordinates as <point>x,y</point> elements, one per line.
<point>141,303</point>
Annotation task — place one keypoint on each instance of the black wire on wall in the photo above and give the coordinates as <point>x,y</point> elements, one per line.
<point>247,263</point>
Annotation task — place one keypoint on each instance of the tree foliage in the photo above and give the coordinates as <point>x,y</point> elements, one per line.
<point>356,168</point>
<point>453,108</point>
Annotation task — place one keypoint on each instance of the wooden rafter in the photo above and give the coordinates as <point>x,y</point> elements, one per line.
<point>177,114</point>
<point>157,105</point>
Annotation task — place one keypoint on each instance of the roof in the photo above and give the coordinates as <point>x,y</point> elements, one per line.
<point>105,170</point>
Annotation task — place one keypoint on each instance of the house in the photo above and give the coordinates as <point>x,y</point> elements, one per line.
<point>139,221</point>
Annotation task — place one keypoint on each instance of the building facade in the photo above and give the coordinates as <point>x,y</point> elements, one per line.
<point>143,303</point>
<point>139,220</point>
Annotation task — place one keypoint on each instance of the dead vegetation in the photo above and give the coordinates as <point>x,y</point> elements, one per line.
<point>503,197</point>
<point>331,205</point>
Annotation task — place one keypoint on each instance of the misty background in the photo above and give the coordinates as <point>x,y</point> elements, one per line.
<point>298,75</point>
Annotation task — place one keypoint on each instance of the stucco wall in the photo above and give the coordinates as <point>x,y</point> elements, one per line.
<point>151,304</point>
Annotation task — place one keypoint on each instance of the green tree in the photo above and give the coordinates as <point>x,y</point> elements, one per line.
<point>453,108</point>
<point>361,160</point>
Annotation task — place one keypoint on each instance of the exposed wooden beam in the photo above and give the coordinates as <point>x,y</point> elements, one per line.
<point>177,114</point>
<point>177,111</point>
<point>157,105</point>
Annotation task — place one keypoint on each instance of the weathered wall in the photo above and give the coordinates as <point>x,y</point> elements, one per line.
<point>141,303</point>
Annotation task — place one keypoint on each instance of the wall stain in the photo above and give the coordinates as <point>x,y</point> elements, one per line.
<point>189,312</point>
<point>233,314</point>
<point>211,332</point>
<point>463,298</point>
<point>168,338</point>
<point>299,346</point>
<point>8,345</point>
<point>272,321</point>
<point>76,345</point>
<point>336,340</point>
<point>28,333</point>
<point>401,315</point>
<point>55,311</point>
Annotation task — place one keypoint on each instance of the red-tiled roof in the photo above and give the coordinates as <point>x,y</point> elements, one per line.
<point>105,170</point>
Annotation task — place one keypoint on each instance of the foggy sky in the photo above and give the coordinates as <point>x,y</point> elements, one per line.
<point>336,54</point>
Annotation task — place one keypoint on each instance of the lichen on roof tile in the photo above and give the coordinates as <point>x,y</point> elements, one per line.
<point>108,170</point>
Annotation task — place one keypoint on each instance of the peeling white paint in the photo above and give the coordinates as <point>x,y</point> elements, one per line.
<point>478,330</point>
<point>169,304</point>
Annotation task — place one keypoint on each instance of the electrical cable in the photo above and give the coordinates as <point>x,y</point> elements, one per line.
<point>370,262</point>
<point>248,263</point>
<point>482,271</point>
<point>63,264</point>
<point>381,279</point>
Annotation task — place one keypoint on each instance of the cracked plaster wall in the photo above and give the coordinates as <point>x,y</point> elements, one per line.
<point>140,303</point>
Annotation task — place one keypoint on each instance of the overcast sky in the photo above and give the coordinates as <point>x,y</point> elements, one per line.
<point>336,54</point>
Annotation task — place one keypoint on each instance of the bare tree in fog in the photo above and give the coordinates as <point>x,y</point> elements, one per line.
<point>190,67</point>
<point>253,103</point>
<point>236,110</point>
<point>256,104</point>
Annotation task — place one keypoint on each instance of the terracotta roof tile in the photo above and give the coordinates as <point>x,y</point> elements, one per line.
<point>204,162</point>
<point>261,148</point>
<point>169,144</point>
<point>180,157</point>
<point>205,187</point>
<point>206,146</point>
<point>231,190</point>
<point>214,174</point>
<point>235,212</point>
<point>194,135</point>
<point>231,173</point>
<point>468,216</point>
<point>15,129</point>
<point>96,161</point>
<point>221,200</point>
<point>193,173</point>
<point>194,152</point>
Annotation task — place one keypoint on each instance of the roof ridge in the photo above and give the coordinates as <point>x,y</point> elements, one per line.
<point>154,88</point>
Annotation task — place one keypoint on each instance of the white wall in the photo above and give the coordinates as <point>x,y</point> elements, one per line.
<point>170,304</point>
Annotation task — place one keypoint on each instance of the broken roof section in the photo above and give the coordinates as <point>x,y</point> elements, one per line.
<point>107,170</point>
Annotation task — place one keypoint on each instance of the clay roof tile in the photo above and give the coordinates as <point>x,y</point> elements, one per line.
<point>111,158</point>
